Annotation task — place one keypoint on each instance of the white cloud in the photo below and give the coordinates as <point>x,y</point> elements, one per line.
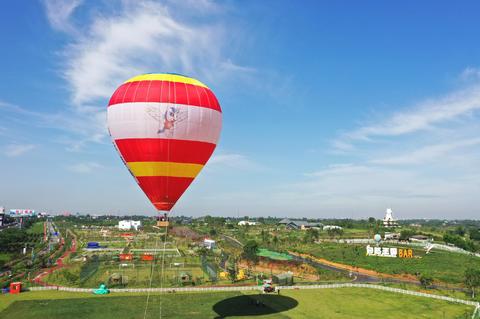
<point>470,73</point>
<point>423,116</point>
<point>14,150</point>
<point>143,37</point>
<point>80,126</point>
<point>361,190</point>
<point>85,167</point>
<point>59,13</point>
<point>422,158</point>
<point>232,160</point>
<point>427,154</point>
<point>127,39</point>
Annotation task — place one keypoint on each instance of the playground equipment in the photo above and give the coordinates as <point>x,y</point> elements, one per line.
<point>15,287</point>
<point>93,245</point>
<point>223,275</point>
<point>268,287</point>
<point>241,275</point>
<point>102,290</point>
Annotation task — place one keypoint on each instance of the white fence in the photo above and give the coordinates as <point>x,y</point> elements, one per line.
<point>245,288</point>
<point>253,288</point>
<point>426,245</point>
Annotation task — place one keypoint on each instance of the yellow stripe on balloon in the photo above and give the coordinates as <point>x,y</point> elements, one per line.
<point>166,77</point>
<point>164,169</point>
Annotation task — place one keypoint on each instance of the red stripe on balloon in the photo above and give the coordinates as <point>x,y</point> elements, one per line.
<point>164,191</point>
<point>165,92</point>
<point>164,150</point>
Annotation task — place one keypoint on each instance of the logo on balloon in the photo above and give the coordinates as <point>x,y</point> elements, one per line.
<point>167,117</point>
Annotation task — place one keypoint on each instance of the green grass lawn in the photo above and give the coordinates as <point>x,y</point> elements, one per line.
<point>138,275</point>
<point>36,228</point>
<point>443,266</point>
<point>5,257</point>
<point>329,303</point>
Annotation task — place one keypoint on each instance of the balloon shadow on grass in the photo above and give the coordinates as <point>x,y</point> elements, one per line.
<point>253,305</point>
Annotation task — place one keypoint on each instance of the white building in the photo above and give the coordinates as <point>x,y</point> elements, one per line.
<point>209,243</point>
<point>327,227</point>
<point>129,224</point>
<point>388,220</point>
<point>2,215</point>
<point>246,222</point>
<point>391,236</point>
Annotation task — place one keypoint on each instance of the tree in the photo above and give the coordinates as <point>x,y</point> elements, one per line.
<point>213,232</point>
<point>250,251</point>
<point>460,231</point>
<point>474,233</point>
<point>264,234</point>
<point>459,241</point>
<point>311,235</point>
<point>406,234</point>
<point>472,279</point>
<point>13,239</point>
<point>425,280</point>
<point>232,269</point>
<point>275,240</point>
<point>332,232</point>
<point>202,251</point>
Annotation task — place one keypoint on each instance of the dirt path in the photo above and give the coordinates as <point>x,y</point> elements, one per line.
<point>362,271</point>
<point>59,262</point>
<point>277,269</point>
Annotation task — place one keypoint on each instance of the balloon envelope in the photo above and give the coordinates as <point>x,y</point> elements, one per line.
<point>165,128</point>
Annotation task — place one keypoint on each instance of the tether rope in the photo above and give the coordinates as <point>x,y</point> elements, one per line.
<point>163,266</point>
<point>151,277</point>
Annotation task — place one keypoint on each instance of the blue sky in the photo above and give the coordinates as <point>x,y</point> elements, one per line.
<point>331,109</point>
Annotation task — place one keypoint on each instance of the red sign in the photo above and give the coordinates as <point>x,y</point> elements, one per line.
<point>147,257</point>
<point>126,256</point>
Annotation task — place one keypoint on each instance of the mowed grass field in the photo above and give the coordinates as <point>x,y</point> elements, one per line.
<point>442,266</point>
<point>327,303</point>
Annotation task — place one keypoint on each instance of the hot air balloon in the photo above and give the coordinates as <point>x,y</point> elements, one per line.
<point>165,127</point>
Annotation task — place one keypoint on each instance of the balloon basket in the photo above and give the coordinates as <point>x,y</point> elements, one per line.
<point>162,223</point>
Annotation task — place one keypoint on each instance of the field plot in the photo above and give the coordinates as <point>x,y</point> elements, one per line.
<point>128,260</point>
<point>330,303</point>
<point>442,266</point>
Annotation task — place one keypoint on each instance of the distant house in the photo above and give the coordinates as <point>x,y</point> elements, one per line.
<point>391,236</point>
<point>209,243</point>
<point>419,238</point>
<point>246,222</point>
<point>129,224</point>
<point>284,221</point>
<point>185,220</point>
<point>302,224</point>
<point>329,227</point>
